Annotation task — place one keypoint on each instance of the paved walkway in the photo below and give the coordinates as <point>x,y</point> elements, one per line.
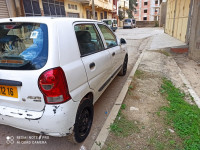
<point>163,40</point>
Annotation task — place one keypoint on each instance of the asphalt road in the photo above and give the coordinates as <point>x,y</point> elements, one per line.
<point>135,37</point>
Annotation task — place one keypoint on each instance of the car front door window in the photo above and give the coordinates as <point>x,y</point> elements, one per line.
<point>109,37</point>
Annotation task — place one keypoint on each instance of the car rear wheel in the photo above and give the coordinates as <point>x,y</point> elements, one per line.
<point>83,123</point>
<point>124,67</point>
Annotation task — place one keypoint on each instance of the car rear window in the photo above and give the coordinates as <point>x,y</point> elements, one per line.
<point>23,46</point>
<point>108,22</point>
<point>127,20</point>
<point>114,21</point>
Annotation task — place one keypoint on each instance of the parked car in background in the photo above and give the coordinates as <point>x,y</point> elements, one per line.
<point>53,70</point>
<point>129,23</point>
<point>112,23</point>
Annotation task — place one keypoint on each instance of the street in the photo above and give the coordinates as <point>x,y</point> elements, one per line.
<point>137,40</point>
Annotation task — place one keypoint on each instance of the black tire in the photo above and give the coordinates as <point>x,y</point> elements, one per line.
<point>124,67</point>
<point>83,122</point>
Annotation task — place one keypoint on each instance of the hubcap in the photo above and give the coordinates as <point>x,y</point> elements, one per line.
<point>85,122</point>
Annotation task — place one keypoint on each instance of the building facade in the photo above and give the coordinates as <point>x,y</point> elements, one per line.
<point>57,8</point>
<point>147,10</point>
<point>123,5</point>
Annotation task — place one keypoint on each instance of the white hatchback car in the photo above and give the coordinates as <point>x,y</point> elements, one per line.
<point>53,70</point>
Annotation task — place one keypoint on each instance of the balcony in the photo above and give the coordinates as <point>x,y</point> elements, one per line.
<point>124,4</point>
<point>82,1</point>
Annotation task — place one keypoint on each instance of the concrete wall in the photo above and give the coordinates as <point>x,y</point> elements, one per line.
<point>194,43</point>
<point>141,24</point>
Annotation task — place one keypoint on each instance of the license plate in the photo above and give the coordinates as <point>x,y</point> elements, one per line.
<point>9,91</point>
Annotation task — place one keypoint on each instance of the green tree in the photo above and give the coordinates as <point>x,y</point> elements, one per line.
<point>132,3</point>
<point>121,14</point>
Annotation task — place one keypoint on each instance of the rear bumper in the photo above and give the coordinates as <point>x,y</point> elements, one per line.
<point>53,120</point>
<point>127,26</point>
<point>114,28</point>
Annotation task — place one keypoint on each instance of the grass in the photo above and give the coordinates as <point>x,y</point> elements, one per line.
<point>138,74</point>
<point>123,127</point>
<point>184,118</point>
<point>163,52</point>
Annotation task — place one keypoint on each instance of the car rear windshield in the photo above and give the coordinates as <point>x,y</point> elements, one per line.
<point>114,21</point>
<point>127,20</point>
<point>23,46</point>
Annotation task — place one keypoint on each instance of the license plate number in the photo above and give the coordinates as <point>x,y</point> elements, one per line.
<point>9,91</point>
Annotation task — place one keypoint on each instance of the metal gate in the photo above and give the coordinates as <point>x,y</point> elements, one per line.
<point>3,9</point>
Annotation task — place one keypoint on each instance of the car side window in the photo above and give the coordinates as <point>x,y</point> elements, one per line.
<point>109,37</point>
<point>88,39</point>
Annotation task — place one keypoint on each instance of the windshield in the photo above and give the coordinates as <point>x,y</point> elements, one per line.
<point>23,46</point>
<point>108,22</point>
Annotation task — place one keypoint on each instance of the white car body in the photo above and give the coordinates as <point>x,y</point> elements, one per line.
<point>29,111</point>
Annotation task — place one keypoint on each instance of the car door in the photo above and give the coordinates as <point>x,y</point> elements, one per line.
<point>96,59</point>
<point>112,46</point>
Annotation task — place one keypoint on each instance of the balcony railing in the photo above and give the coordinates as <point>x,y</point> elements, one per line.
<point>82,1</point>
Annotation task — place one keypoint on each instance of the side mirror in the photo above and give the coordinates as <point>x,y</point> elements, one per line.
<point>122,41</point>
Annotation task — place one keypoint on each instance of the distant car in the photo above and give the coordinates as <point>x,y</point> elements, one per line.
<point>129,23</point>
<point>53,70</point>
<point>112,23</point>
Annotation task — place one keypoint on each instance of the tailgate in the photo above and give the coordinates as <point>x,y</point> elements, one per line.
<point>19,89</point>
<point>23,54</point>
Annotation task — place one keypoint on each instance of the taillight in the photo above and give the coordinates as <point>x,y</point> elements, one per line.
<point>53,85</point>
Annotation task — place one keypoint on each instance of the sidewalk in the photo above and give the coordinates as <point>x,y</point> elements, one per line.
<point>164,41</point>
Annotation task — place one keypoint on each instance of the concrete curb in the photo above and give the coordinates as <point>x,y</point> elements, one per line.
<point>188,85</point>
<point>101,138</point>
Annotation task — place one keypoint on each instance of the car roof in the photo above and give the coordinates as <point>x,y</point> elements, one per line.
<point>46,19</point>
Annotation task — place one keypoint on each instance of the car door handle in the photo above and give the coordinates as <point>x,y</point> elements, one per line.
<point>113,54</point>
<point>92,65</point>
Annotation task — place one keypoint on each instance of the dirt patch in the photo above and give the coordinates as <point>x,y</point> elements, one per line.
<point>143,103</point>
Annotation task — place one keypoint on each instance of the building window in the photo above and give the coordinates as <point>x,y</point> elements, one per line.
<point>31,8</point>
<point>105,15</point>
<point>156,2</point>
<point>135,11</point>
<point>71,6</point>
<point>145,3</point>
<point>145,11</point>
<point>96,16</point>
<point>144,18</point>
<point>73,15</point>
<point>88,14</point>
<point>53,8</point>
<point>101,15</point>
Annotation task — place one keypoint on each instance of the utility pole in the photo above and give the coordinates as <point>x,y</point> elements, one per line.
<point>93,10</point>
<point>124,8</point>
